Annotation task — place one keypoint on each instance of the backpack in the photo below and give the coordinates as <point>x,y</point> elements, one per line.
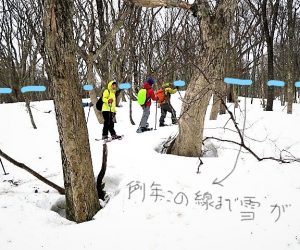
<point>142,96</point>
<point>99,103</point>
<point>160,94</point>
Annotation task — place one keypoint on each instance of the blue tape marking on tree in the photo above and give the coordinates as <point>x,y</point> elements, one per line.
<point>297,84</point>
<point>243,82</point>
<point>276,83</point>
<point>88,87</point>
<point>5,90</point>
<point>33,89</point>
<point>179,83</point>
<point>125,85</point>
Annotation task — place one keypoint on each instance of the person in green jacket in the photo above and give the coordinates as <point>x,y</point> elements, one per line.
<point>109,110</point>
<point>166,106</point>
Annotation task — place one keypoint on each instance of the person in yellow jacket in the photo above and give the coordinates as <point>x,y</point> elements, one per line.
<point>109,110</point>
<point>166,106</point>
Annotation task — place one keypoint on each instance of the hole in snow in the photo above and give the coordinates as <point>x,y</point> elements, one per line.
<point>210,149</point>
<point>60,207</point>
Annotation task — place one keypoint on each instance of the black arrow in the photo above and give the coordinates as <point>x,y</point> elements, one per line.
<point>216,182</point>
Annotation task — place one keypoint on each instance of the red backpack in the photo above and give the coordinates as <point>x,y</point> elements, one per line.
<point>160,94</point>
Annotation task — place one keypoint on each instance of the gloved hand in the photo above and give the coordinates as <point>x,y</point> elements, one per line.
<point>110,101</point>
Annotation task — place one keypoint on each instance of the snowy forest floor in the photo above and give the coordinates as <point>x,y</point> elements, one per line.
<point>172,207</point>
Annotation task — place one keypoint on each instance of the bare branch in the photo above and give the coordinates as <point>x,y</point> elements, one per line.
<point>242,142</point>
<point>161,3</point>
<point>37,175</point>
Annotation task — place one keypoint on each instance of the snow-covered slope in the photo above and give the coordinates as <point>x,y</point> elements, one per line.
<point>157,201</point>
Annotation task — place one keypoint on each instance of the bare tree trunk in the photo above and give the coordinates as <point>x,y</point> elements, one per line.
<point>32,72</point>
<point>217,108</point>
<point>93,95</point>
<point>130,106</point>
<point>282,102</point>
<point>27,103</point>
<point>295,95</point>
<point>214,35</point>
<point>269,36</point>
<point>290,69</point>
<point>191,122</point>
<point>81,194</point>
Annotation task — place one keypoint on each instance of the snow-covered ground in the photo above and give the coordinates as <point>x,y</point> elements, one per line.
<point>157,201</point>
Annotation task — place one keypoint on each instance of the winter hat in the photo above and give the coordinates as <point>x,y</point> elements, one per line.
<point>150,81</point>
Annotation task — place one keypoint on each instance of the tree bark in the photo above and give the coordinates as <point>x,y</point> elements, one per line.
<point>191,122</point>
<point>130,106</point>
<point>217,106</point>
<point>161,3</point>
<point>269,37</point>
<point>93,94</point>
<point>214,35</point>
<point>81,194</point>
<point>27,103</point>
<point>290,68</point>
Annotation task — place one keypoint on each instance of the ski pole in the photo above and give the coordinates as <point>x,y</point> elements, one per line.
<point>3,167</point>
<point>179,93</point>
<point>155,115</point>
<point>88,114</point>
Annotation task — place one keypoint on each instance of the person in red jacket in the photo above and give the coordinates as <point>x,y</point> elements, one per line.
<point>146,107</point>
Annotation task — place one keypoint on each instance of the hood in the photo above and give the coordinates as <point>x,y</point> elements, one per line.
<point>147,85</point>
<point>109,86</point>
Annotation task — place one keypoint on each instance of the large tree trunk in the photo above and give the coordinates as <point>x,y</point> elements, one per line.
<point>269,37</point>
<point>290,69</point>
<point>214,35</point>
<point>81,194</point>
<point>191,122</point>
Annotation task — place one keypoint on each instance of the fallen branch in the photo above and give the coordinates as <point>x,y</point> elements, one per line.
<point>3,167</point>
<point>242,142</point>
<point>253,153</point>
<point>100,184</point>
<point>41,178</point>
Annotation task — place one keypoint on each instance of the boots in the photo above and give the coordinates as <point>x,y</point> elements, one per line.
<point>114,137</point>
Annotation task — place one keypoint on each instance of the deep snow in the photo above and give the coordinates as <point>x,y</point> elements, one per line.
<point>173,207</point>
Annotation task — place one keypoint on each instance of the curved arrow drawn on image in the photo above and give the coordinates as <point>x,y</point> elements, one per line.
<point>216,182</point>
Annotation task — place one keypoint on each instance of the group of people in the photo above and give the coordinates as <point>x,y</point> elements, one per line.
<point>164,101</point>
